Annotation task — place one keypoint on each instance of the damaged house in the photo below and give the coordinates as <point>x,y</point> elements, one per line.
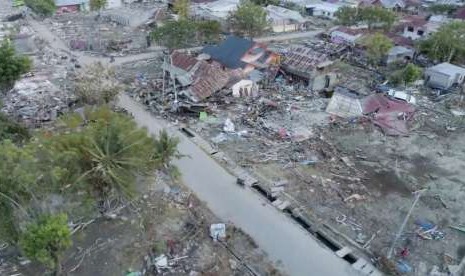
<point>444,75</point>
<point>284,20</point>
<point>306,64</point>
<point>198,78</point>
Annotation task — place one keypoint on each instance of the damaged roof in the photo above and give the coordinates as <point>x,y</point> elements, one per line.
<point>302,61</point>
<point>230,51</point>
<point>345,103</point>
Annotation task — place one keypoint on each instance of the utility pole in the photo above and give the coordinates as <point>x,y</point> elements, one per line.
<point>401,229</point>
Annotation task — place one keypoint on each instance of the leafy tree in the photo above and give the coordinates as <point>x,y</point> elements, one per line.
<point>97,5</point>
<point>249,19</point>
<point>442,9</point>
<point>181,7</point>
<point>347,16</point>
<point>447,44</point>
<point>12,130</point>
<point>208,30</point>
<point>411,73</point>
<point>11,65</point>
<point>166,148</point>
<point>110,150</point>
<point>44,7</point>
<point>46,240</point>
<point>175,34</point>
<point>97,84</point>
<point>377,47</point>
<point>377,17</point>
<point>265,3</point>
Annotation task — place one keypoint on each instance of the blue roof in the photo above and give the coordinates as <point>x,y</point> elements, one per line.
<point>230,51</point>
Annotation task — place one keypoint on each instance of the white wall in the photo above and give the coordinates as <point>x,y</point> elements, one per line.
<point>114,4</point>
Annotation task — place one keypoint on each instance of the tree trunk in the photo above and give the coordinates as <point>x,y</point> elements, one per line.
<point>58,268</point>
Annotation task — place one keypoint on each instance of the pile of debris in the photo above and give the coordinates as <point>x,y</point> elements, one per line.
<point>36,100</point>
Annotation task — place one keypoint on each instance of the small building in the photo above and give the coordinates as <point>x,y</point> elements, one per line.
<point>394,5</point>
<point>324,9</point>
<point>399,54</point>
<point>345,103</point>
<point>344,35</point>
<point>444,75</point>
<point>309,66</point>
<point>284,20</point>
<point>414,27</point>
<point>217,10</point>
<point>70,6</point>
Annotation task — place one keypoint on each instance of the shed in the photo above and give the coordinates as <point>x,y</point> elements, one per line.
<point>284,20</point>
<point>444,75</point>
<point>323,9</point>
<point>399,54</point>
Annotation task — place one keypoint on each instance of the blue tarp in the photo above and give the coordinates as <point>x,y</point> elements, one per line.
<point>230,51</point>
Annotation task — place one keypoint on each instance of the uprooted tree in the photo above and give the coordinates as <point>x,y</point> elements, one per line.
<point>97,84</point>
<point>12,65</point>
<point>249,19</point>
<point>46,239</point>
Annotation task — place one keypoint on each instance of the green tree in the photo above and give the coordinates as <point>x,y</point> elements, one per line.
<point>208,31</point>
<point>347,16</point>
<point>166,148</point>
<point>46,240</point>
<point>97,84</point>
<point>12,66</point>
<point>265,3</point>
<point>411,73</point>
<point>377,17</point>
<point>447,44</point>
<point>12,130</point>
<point>442,9</point>
<point>43,7</point>
<point>110,150</point>
<point>249,19</point>
<point>377,47</point>
<point>181,7</point>
<point>97,5</point>
<point>175,34</point>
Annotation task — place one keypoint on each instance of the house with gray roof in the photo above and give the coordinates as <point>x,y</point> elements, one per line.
<point>444,75</point>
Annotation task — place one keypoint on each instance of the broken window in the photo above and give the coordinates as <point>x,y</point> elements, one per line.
<point>410,29</point>
<point>420,32</point>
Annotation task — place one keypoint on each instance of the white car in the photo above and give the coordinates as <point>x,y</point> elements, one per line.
<point>401,95</point>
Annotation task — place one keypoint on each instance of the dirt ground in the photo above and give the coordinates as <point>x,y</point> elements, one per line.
<point>167,220</point>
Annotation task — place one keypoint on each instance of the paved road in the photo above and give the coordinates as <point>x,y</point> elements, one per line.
<point>277,235</point>
<point>283,240</point>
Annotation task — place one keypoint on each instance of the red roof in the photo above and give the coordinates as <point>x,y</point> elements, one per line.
<point>208,79</point>
<point>413,20</point>
<point>399,40</point>
<point>183,61</point>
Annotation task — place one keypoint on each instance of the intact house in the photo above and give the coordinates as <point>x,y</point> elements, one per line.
<point>307,65</point>
<point>324,9</point>
<point>394,5</point>
<point>284,20</point>
<point>444,75</point>
<point>344,35</point>
<point>418,27</point>
<point>399,54</point>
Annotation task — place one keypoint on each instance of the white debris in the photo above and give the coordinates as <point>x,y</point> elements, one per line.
<point>229,126</point>
<point>218,231</point>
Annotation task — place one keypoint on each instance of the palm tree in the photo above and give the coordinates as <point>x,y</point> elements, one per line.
<point>166,148</point>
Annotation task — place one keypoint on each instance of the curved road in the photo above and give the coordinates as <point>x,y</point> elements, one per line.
<point>296,252</point>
